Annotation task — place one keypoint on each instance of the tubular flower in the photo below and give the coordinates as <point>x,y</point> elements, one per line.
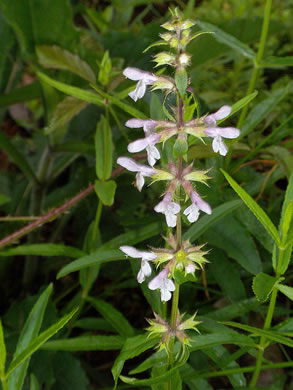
<point>142,170</point>
<point>147,143</point>
<point>143,78</point>
<point>164,284</point>
<point>192,212</point>
<point>217,132</point>
<point>169,208</point>
<point>145,269</point>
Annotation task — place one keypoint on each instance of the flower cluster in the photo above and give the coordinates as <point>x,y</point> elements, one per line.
<point>181,195</point>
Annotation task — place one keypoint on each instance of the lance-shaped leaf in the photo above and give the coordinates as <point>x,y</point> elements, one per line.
<point>38,341</point>
<point>57,58</point>
<point>104,149</point>
<point>286,290</point>
<point>255,208</point>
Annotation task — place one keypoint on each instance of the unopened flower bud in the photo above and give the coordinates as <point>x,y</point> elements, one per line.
<point>184,59</point>
<point>164,58</point>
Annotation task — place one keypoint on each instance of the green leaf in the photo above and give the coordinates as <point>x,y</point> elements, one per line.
<point>197,229</point>
<point>228,39</point>
<point>286,290</point>
<point>261,110</point>
<point>236,241</point>
<point>180,147</point>
<point>79,93</point>
<point>124,106</point>
<point>57,58</point>
<point>43,250</point>
<point>4,199</point>
<point>227,276</point>
<point>263,285</point>
<point>269,334</point>
<point>2,351</point>
<point>29,333</point>
<point>255,208</point>
<point>85,343</point>
<point>287,220</point>
<point>132,347</point>
<point>164,378</point>
<point>38,341</point>
<point>239,105</point>
<point>181,81</point>
<point>200,342</point>
<point>33,24</point>
<point>104,149</point>
<point>97,257</point>
<point>7,147</point>
<point>113,316</point>
<point>277,62</point>
<point>135,236</point>
<point>22,94</point>
<point>105,69</point>
<point>34,384</point>
<point>65,111</point>
<point>105,191</point>
<point>283,156</point>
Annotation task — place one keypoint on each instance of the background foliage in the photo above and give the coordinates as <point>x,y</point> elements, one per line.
<point>66,208</point>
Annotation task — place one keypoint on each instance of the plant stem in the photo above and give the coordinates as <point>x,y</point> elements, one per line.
<point>267,324</point>
<point>4,383</point>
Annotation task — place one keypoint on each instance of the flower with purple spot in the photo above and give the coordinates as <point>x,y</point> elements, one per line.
<point>145,269</point>
<point>164,284</point>
<point>142,170</point>
<point>217,132</point>
<point>169,208</point>
<point>143,78</point>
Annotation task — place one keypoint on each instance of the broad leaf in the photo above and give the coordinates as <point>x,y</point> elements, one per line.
<point>104,149</point>
<point>65,111</point>
<point>263,285</point>
<point>181,81</point>
<point>105,191</point>
<point>57,58</point>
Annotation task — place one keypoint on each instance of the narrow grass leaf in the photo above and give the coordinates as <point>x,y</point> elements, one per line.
<point>79,93</point>
<point>22,94</point>
<point>34,384</point>
<point>277,62</point>
<point>43,250</point>
<point>113,316</point>
<point>38,341</point>
<point>2,351</point>
<point>85,343</point>
<point>201,341</point>
<point>164,378</point>
<point>269,334</point>
<point>29,333</point>
<point>262,109</point>
<point>255,208</point>
<point>95,258</point>
<point>239,105</point>
<point>228,39</point>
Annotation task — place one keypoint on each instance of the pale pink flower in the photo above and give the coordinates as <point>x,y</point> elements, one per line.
<point>164,284</point>
<point>147,143</point>
<point>142,170</point>
<point>217,132</point>
<point>169,208</point>
<point>192,212</point>
<point>145,269</point>
<point>143,78</point>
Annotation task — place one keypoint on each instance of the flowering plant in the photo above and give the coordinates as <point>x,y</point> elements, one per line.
<point>179,260</point>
